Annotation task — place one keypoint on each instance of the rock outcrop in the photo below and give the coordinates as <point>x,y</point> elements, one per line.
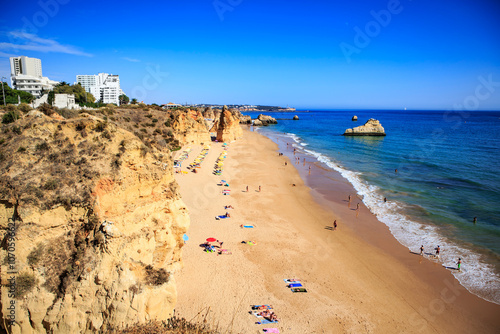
<point>228,126</point>
<point>189,127</point>
<point>99,226</point>
<point>295,118</point>
<point>245,119</point>
<point>209,113</point>
<point>354,118</point>
<point>264,120</point>
<point>371,128</point>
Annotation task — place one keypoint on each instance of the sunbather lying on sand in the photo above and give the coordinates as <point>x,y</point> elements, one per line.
<point>224,251</point>
<point>228,207</point>
<point>261,307</point>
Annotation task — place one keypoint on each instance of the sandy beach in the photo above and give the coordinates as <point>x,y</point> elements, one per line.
<point>359,279</point>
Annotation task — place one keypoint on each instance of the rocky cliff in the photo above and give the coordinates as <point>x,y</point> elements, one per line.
<point>228,126</point>
<point>371,128</point>
<point>98,226</point>
<point>245,119</point>
<point>189,127</point>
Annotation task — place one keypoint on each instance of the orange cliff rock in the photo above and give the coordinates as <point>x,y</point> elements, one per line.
<point>99,226</point>
<point>228,126</point>
<point>190,127</point>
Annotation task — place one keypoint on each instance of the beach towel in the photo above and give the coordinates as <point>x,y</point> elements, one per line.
<point>247,226</point>
<point>294,285</point>
<point>298,290</point>
<point>265,321</point>
<point>256,307</point>
<point>291,280</point>
<point>271,330</point>
<point>221,217</point>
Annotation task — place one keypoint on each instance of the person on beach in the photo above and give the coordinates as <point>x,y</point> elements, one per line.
<point>259,188</point>
<point>357,207</point>
<point>228,215</point>
<point>385,199</point>
<point>309,170</point>
<point>422,250</point>
<point>438,249</point>
<point>459,263</point>
<point>247,188</point>
<point>286,163</point>
<point>349,201</point>
<point>334,224</point>
<point>294,151</point>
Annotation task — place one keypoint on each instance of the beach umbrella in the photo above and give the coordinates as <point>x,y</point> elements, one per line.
<point>211,239</point>
<point>185,238</point>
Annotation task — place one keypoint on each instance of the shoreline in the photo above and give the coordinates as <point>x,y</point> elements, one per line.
<point>430,236</point>
<point>359,277</point>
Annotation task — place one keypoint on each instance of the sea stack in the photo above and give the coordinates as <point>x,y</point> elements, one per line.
<point>354,118</point>
<point>371,128</point>
<point>295,118</point>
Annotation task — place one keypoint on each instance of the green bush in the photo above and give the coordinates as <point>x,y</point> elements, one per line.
<point>35,255</point>
<point>42,146</point>
<point>24,283</point>
<point>156,276</point>
<point>24,107</point>
<point>10,117</point>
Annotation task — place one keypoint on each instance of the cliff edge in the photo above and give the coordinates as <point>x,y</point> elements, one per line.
<point>98,226</point>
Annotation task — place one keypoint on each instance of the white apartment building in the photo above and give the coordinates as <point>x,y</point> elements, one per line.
<point>26,75</point>
<point>105,87</point>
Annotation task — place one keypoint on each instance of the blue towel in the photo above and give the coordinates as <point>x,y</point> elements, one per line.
<point>294,285</point>
<point>265,321</point>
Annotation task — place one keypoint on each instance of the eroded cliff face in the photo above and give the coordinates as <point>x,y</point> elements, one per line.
<point>228,126</point>
<point>190,127</point>
<point>98,223</point>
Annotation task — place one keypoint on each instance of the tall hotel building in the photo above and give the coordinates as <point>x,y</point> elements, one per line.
<point>105,87</point>
<point>26,75</point>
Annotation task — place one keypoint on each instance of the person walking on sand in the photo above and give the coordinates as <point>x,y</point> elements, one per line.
<point>438,249</point>
<point>459,263</point>
<point>422,250</point>
<point>334,224</point>
<point>309,170</point>
<point>247,188</point>
<point>349,201</point>
<point>259,188</point>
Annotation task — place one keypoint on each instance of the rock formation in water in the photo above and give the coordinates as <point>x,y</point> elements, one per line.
<point>264,120</point>
<point>295,118</point>
<point>98,220</point>
<point>354,118</point>
<point>228,126</point>
<point>371,128</point>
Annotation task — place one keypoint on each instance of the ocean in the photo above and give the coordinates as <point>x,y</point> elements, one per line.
<point>448,172</point>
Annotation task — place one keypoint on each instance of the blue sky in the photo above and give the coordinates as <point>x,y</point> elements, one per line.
<point>418,54</point>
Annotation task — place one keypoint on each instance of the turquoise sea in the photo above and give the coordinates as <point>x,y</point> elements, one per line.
<point>448,166</point>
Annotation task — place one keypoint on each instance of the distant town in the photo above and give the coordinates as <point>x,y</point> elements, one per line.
<point>28,85</point>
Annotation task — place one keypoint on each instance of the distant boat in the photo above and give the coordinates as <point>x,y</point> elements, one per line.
<point>405,108</point>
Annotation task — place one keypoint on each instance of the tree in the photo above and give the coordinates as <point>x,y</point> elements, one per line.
<point>81,96</point>
<point>123,99</point>
<point>134,101</point>
<point>11,95</point>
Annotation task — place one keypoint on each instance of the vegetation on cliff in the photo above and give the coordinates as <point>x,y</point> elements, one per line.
<point>97,212</point>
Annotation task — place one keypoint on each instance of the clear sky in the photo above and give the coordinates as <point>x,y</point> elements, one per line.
<point>418,54</point>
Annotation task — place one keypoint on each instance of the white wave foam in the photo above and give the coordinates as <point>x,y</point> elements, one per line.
<point>476,276</point>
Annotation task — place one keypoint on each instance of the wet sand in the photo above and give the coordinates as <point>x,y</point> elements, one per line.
<point>359,278</point>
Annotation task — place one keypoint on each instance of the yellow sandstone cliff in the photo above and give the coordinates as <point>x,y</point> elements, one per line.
<point>228,126</point>
<point>99,226</point>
